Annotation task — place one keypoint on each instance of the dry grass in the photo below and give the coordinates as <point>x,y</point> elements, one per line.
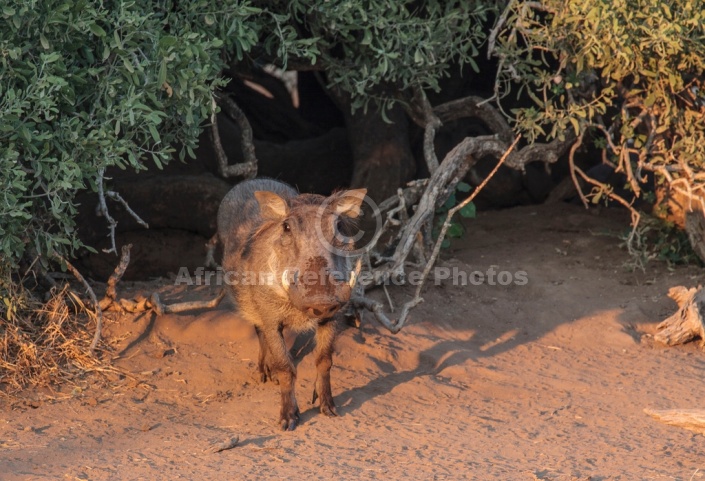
<point>45,343</point>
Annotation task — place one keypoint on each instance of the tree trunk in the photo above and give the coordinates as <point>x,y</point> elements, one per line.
<point>382,157</point>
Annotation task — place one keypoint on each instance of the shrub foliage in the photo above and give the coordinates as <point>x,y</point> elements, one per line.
<point>88,85</point>
<point>629,72</point>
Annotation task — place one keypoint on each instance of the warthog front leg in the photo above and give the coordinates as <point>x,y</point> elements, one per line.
<point>280,363</point>
<point>265,370</point>
<point>325,341</point>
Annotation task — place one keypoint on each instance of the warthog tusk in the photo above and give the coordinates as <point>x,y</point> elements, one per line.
<point>354,274</point>
<point>285,279</point>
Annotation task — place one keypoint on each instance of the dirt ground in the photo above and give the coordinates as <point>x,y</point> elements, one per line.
<point>542,381</point>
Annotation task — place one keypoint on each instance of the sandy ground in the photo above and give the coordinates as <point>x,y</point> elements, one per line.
<point>543,381</point>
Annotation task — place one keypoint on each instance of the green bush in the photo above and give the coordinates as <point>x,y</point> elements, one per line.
<point>629,71</point>
<point>85,87</point>
<point>90,85</point>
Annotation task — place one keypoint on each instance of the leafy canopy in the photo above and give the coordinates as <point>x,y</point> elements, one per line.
<point>88,85</point>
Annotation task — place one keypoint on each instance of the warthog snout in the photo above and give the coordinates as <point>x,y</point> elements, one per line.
<point>320,294</point>
<point>322,309</point>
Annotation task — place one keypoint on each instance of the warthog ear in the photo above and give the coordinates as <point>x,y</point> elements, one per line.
<point>348,202</point>
<point>271,206</point>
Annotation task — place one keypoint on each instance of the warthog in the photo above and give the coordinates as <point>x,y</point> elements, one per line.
<point>291,267</point>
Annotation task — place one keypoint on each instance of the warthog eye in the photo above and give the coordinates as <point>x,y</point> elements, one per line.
<point>286,227</point>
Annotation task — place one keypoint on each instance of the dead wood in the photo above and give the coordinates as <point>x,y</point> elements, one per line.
<point>376,308</point>
<point>475,107</point>
<point>423,115</point>
<point>415,231</point>
<point>98,312</point>
<point>161,308</point>
<point>103,209</point>
<point>140,303</point>
<point>687,323</point>
<point>111,292</point>
<point>690,419</point>
<point>248,168</point>
<point>225,445</point>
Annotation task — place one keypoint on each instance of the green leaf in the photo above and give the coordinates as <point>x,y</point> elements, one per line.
<point>96,29</point>
<point>162,73</point>
<point>367,37</point>
<point>468,211</point>
<point>167,41</point>
<point>463,187</point>
<point>154,133</point>
<point>418,57</point>
<point>455,231</point>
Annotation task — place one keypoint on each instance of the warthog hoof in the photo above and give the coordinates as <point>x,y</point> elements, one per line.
<point>289,418</point>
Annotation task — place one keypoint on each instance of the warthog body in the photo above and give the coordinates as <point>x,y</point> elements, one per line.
<point>284,255</point>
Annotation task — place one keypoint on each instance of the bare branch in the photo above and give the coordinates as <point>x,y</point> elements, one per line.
<point>210,251</point>
<point>94,299</point>
<point>463,156</point>
<point>111,292</point>
<point>476,107</point>
<point>501,21</point>
<point>572,168</point>
<point>112,223</point>
<point>455,209</point>
<point>103,208</point>
<point>424,116</point>
<point>454,167</point>
<point>161,308</point>
<point>248,168</point>
<point>377,309</point>
<point>548,153</point>
<point>140,303</point>
<point>412,193</point>
<point>118,198</point>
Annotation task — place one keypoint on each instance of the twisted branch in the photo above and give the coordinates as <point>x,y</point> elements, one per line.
<point>247,168</point>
